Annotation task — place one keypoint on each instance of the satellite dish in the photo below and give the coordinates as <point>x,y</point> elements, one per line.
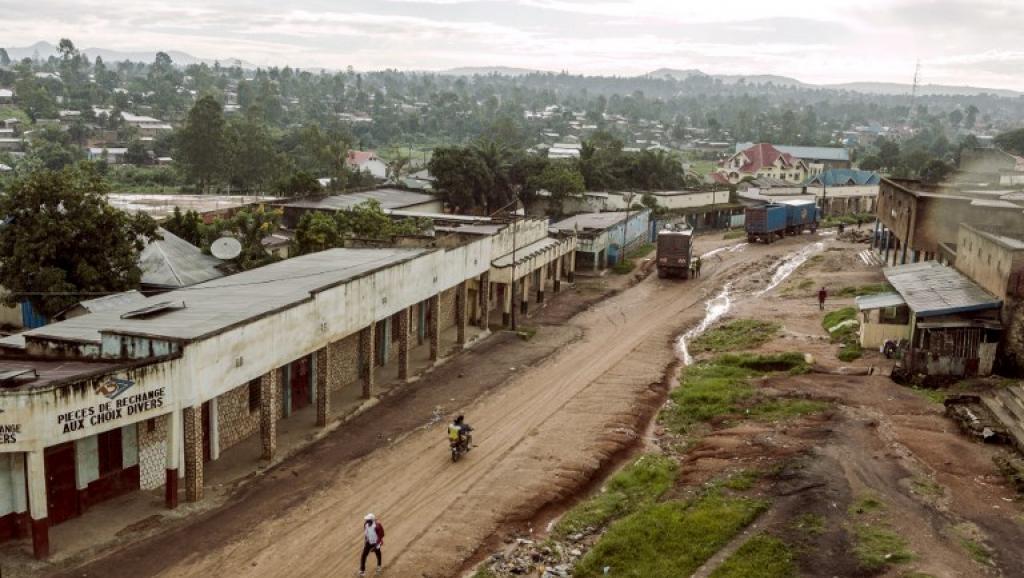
<point>226,248</point>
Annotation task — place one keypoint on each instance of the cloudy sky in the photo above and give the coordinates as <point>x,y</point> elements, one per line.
<point>974,42</point>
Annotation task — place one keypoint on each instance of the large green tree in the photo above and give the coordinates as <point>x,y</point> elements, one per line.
<point>63,242</point>
<point>201,143</point>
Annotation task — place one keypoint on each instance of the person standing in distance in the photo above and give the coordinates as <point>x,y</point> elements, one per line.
<point>822,296</point>
<point>373,540</point>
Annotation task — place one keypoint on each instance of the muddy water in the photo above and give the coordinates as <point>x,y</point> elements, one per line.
<point>720,304</point>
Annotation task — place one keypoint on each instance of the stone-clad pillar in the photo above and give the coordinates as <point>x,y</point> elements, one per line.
<point>485,300</point>
<point>367,359</point>
<point>192,422</point>
<point>37,505</point>
<point>435,327</point>
<point>270,405</point>
<point>403,344</point>
<point>572,267</point>
<point>323,384</point>
<point>542,282</point>
<point>558,274</point>
<point>461,293</point>
<point>173,446</point>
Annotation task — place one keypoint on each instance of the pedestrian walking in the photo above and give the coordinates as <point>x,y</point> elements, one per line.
<point>697,266</point>
<point>373,540</point>
<point>859,222</point>
<point>822,296</point>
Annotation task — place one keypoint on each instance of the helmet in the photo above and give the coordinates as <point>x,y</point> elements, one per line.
<point>459,419</point>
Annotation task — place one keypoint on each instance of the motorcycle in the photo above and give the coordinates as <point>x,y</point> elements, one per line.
<point>461,446</point>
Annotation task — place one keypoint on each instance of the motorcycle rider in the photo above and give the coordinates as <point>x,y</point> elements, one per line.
<point>459,432</point>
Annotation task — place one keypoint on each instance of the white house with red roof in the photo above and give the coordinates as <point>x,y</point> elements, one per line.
<point>762,161</point>
<point>367,161</point>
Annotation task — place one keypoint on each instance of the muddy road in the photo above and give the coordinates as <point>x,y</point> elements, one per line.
<point>541,436</point>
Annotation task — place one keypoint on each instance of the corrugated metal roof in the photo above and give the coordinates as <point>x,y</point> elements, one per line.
<point>388,199</point>
<point>881,301</point>
<point>593,221</point>
<point>132,297</point>
<point>223,303</point>
<point>931,288</point>
<point>174,262</point>
<point>806,153</point>
<point>525,253</point>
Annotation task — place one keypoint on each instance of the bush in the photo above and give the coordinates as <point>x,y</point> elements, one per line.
<point>623,267</point>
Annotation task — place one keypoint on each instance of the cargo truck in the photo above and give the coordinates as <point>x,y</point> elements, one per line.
<point>800,216</point>
<point>765,223</point>
<point>674,250</point>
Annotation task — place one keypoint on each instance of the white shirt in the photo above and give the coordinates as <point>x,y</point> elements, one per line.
<point>371,532</point>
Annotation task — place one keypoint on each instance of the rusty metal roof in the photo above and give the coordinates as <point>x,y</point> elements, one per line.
<point>931,288</point>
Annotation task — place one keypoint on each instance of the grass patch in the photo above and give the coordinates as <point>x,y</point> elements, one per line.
<point>623,267</point>
<point>850,352</point>
<point>833,318</point>
<point>866,505</point>
<point>527,333</point>
<point>484,573</point>
<point>640,251</point>
<point>719,387</point>
<point>862,290</point>
<point>762,556</point>
<point>737,234</point>
<point>736,335</point>
<point>933,395</point>
<point>810,524</point>
<point>877,547</point>
<point>778,409</point>
<point>833,220</point>
<point>805,284</point>
<point>742,481</point>
<point>926,487</point>
<point>978,551</point>
<point>671,539</point>
<point>640,483</point>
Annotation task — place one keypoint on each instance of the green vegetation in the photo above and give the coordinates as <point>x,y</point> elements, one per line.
<point>810,524</point>
<point>734,234</point>
<point>671,539</point>
<point>624,267</point>
<point>737,335</point>
<point>876,547</point>
<point>639,484</point>
<point>640,251</point>
<point>927,487</point>
<point>719,388</point>
<point>10,111</point>
<point>742,481</point>
<point>834,318</point>
<point>484,572</point>
<point>833,220</point>
<point>850,352</point>
<point>978,551</point>
<point>862,290</point>
<point>762,556</point>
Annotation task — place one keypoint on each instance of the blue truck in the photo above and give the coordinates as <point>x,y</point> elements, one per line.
<point>800,216</point>
<point>766,223</point>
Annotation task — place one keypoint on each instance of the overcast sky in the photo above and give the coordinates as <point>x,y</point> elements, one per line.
<point>974,42</point>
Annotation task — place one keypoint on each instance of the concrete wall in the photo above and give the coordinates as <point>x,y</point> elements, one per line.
<point>8,484</point>
<point>999,269</point>
<point>526,231</point>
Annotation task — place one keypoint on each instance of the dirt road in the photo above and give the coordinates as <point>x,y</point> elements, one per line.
<point>540,437</point>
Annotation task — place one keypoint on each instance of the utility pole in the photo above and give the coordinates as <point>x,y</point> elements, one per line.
<point>515,282</point>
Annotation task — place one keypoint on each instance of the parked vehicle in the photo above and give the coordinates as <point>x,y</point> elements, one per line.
<point>800,216</point>
<point>765,223</point>
<point>675,249</point>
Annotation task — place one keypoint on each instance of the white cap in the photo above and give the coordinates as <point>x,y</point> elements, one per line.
<point>369,517</point>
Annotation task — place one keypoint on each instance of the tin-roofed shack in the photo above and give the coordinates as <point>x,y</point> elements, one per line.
<point>955,328</point>
<point>601,235</point>
<point>883,318</point>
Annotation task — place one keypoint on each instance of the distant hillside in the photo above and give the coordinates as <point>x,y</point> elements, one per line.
<point>924,90</point>
<point>44,50</point>
<point>726,78</point>
<point>886,88</point>
<point>488,70</point>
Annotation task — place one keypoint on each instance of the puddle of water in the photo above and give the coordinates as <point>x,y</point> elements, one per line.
<point>714,309</point>
<point>791,263</point>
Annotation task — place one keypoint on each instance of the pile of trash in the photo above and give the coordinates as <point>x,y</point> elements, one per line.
<point>547,559</point>
<point>855,235</point>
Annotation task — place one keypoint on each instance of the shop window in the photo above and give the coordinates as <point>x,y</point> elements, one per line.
<point>110,452</point>
<point>254,395</point>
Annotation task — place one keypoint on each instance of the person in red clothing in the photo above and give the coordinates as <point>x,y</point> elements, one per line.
<point>373,540</point>
<point>822,296</point>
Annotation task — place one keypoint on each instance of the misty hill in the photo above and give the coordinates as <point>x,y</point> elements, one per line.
<point>44,50</point>
<point>489,70</point>
<point>884,88</point>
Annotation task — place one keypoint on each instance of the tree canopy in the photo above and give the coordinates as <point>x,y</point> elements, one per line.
<point>64,243</point>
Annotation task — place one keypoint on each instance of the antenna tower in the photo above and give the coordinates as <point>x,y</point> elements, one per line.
<point>913,92</point>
